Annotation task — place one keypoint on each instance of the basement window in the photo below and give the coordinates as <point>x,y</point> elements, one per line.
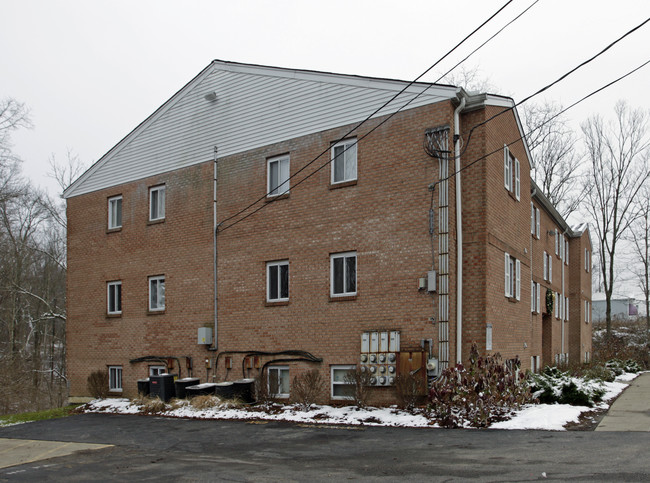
<point>115,378</point>
<point>278,381</point>
<point>341,389</point>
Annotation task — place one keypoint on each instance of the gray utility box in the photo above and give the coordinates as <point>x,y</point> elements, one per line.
<point>205,335</point>
<point>162,386</point>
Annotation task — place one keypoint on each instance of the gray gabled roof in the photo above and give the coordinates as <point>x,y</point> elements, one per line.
<point>254,106</point>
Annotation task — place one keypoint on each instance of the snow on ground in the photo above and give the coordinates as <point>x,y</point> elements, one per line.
<point>551,417</point>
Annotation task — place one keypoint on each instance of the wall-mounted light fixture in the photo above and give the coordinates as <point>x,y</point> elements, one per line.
<point>210,96</point>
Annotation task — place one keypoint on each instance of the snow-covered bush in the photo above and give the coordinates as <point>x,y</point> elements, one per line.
<point>486,391</point>
<point>618,366</point>
<point>555,386</point>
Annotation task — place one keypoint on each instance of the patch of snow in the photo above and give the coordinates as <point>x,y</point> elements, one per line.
<point>550,417</point>
<point>627,376</point>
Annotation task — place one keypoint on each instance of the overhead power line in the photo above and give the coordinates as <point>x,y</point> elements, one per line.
<point>358,125</point>
<point>609,84</point>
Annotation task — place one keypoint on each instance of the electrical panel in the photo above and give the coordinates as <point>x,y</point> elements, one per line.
<point>205,335</point>
<point>379,355</point>
<point>431,281</point>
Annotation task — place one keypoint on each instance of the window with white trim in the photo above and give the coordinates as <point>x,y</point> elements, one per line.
<point>488,337</point>
<point>278,381</point>
<point>557,243</point>
<point>535,297</point>
<point>277,281</point>
<point>512,277</point>
<point>511,173</point>
<point>548,267</point>
<point>566,308</point>
<point>587,311</point>
<point>538,217</point>
<point>587,260</point>
<point>343,274</point>
<point>157,293</point>
<point>114,298</point>
<point>566,251</point>
<point>115,212</point>
<point>341,387</point>
<point>278,175</point>
<point>115,378</point>
<point>344,161</point>
<point>157,370</point>
<point>157,203</point>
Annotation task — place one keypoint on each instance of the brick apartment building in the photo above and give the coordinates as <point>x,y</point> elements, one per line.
<point>334,247</point>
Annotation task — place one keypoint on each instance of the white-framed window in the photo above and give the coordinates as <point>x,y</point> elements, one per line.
<point>344,161</point>
<point>277,281</point>
<point>277,169</point>
<point>157,293</point>
<point>157,370</point>
<point>488,337</point>
<point>587,311</point>
<point>115,378</point>
<point>538,217</point>
<point>157,203</point>
<point>278,381</point>
<point>535,297</point>
<point>557,243</point>
<point>343,274</point>
<point>511,173</point>
<point>548,267</point>
<point>512,277</point>
<point>114,297</point>
<point>566,251</point>
<point>115,212</point>
<point>340,387</point>
<point>587,260</point>
<point>532,218</point>
<point>557,305</point>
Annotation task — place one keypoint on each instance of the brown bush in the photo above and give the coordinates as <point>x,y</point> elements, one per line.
<point>97,384</point>
<point>361,382</point>
<point>306,387</point>
<point>410,390</point>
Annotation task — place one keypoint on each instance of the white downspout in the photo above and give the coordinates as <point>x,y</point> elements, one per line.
<point>459,235</point>
<point>215,227</point>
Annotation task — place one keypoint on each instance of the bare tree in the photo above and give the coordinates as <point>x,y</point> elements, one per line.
<point>640,237</point>
<point>13,115</point>
<point>471,79</point>
<point>556,162</point>
<point>618,153</point>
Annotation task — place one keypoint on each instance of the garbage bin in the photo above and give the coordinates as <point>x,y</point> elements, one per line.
<point>181,384</point>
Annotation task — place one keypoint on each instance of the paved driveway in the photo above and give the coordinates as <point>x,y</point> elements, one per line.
<point>159,449</point>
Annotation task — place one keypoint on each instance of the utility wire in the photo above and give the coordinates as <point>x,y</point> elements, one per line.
<point>559,79</point>
<point>357,126</point>
<point>544,123</point>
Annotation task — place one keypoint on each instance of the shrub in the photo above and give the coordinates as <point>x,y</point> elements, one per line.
<point>361,382</point>
<point>153,405</point>
<point>486,391</point>
<point>619,367</point>
<point>306,387</point>
<point>205,402</point>
<point>555,386</point>
<point>97,384</point>
<point>410,389</point>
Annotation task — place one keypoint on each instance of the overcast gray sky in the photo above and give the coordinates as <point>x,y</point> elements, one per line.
<point>92,70</point>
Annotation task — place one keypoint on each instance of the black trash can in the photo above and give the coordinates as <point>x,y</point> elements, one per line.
<point>181,384</point>
<point>162,386</point>
<point>243,389</point>
<point>225,390</point>
<point>143,387</point>
<point>205,389</point>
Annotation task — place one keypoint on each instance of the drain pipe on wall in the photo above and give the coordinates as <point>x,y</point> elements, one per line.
<point>215,227</point>
<point>459,233</point>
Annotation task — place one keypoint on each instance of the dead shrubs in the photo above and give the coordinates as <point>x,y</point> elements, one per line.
<point>306,387</point>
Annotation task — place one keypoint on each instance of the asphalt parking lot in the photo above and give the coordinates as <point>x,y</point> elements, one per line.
<point>160,449</point>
